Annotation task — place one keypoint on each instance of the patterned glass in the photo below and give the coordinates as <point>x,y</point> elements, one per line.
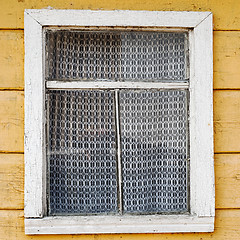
<point>154,150</point>
<point>116,56</point>
<point>81,152</point>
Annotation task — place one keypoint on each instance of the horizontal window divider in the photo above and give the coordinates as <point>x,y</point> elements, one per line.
<point>115,85</point>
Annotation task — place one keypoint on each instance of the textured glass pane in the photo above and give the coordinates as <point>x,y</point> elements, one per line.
<point>83,55</point>
<point>116,56</point>
<point>154,150</point>
<point>152,56</point>
<point>81,152</point>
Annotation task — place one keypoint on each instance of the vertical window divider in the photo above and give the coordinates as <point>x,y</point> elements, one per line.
<point>47,153</point>
<point>120,200</point>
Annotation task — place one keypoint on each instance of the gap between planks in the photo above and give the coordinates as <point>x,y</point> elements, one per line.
<point>11,89</point>
<point>10,152</point>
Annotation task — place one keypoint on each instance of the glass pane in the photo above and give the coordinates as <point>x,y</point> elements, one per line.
<point>115,56</point>
<point>152,56</point>
<point>154,150</point>
<point>81,152</point>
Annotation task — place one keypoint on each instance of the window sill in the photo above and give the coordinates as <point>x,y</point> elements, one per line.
<point>118,224</point>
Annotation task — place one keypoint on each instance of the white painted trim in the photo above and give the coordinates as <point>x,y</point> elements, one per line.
<point>117,18</point>
<point>119,165</point>
<point>34,153</point>
<point>117,224</point>
<point>201,123</point>
<point>201,120</point>
<point>113,85</point>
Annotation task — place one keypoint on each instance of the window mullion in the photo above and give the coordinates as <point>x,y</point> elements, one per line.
<point>100,84</point>
<point>118,152</point>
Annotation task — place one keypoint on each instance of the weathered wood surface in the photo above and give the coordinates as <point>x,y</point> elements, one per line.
<point>226,65</point>
<point>11,121</point>
<point>226,227</point>
<point>227,121</point>
<point>11,59</point>
<point>34,118</point>
<point>226,59</point>
<point>11,181</point>
<point>201,117</point>
<point>225,12</point>
<point>227,177</point>
<point>117,18</point>
<point>226,112</point>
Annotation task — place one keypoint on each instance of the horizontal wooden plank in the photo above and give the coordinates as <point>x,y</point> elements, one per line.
<point>226,121</point>
<point>227,177</point>
<point>226,227</point>
<point>11,121</point>
<point>227,106</point>
<point>226,137</point>
<point>225,12</point>
<point>11,181</point>
<point>226,59</point>
<point>11,59</point>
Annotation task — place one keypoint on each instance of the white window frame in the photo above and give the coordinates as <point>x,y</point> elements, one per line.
<point>202,189</point>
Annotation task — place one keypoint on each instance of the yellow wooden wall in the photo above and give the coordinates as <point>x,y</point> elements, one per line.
<point>226,15</point>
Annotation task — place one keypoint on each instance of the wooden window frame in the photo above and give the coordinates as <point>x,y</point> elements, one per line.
<point>202,189</point>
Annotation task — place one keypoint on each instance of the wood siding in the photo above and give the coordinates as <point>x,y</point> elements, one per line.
<point>226,112</point>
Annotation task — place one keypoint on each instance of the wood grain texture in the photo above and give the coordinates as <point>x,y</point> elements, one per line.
<point>227,127</point>
<point>11,121</point>
<point>117,224</point>
<point>11,59</point>
<point>227,121</point>
<point>226,227</point>
<point>227,173</point>
<point>113,85</point>
<point>226,13</point>
<point>34,134</point>
<point>119,18</point>
<point>11,181</point>
<point>226,61</point>
<point>201,117</point>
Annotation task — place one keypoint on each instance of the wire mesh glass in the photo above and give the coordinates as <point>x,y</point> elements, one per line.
<point>116,55</point>
<point>82,152</point>
<point>154,150</point>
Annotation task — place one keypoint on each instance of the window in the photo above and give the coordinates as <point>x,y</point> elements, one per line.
<point>117,149</point>
<point>118,122</point>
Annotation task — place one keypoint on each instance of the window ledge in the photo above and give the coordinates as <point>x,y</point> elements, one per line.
<point>118,224</point>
